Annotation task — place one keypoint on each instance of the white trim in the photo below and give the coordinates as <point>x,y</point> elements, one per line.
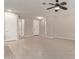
<point>61,37</point>
<point>51,37</point>
<point>25,36</point>
<point>11,40</point>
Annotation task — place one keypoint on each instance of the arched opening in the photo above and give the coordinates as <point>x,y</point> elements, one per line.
<point>39,26</point>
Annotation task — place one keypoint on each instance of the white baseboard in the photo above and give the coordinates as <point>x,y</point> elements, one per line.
<point>60,37</point>
<point>25,36</point>
<point>51,37</point>
<point>11,40</point>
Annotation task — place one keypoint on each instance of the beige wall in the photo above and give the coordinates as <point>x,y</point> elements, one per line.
<point>28,27</point>
<point>64,23</point>
<point>64,26</point>
<point>57,26</point>
<point>50,23</point>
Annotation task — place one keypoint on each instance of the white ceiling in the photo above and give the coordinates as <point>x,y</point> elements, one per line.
<point>33,8</point>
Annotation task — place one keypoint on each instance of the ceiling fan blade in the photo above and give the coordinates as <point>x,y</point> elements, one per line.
<point>50,8</point>
<point>51,4</point>
<point>57,0</point>
<point>64,8</point>
<point>63,3</point>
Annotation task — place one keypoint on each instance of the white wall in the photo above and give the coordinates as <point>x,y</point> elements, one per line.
<point>10,26</point>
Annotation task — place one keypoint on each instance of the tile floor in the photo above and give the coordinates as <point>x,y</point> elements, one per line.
<point>40,48</point>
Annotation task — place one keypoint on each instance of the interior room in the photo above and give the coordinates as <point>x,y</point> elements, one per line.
<point>39,29</point>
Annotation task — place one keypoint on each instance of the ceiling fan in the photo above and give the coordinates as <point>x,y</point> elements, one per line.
<point>57,5</point>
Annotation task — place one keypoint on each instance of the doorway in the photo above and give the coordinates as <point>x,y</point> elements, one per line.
<point>39,27</point>
<point>35,27</point>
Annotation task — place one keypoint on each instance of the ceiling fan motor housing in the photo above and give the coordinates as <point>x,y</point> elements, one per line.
<point>57,1</point>
<point>56,10</point>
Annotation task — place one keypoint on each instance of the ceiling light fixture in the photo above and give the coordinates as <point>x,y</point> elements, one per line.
<point>39,17</point>
<point>57,8</point>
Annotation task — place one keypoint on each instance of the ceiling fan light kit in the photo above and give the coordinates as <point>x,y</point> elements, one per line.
<point>57,6</point>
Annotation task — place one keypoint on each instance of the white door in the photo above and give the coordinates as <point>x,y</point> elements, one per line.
<point>10,26</point>
<point>35,27</point>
